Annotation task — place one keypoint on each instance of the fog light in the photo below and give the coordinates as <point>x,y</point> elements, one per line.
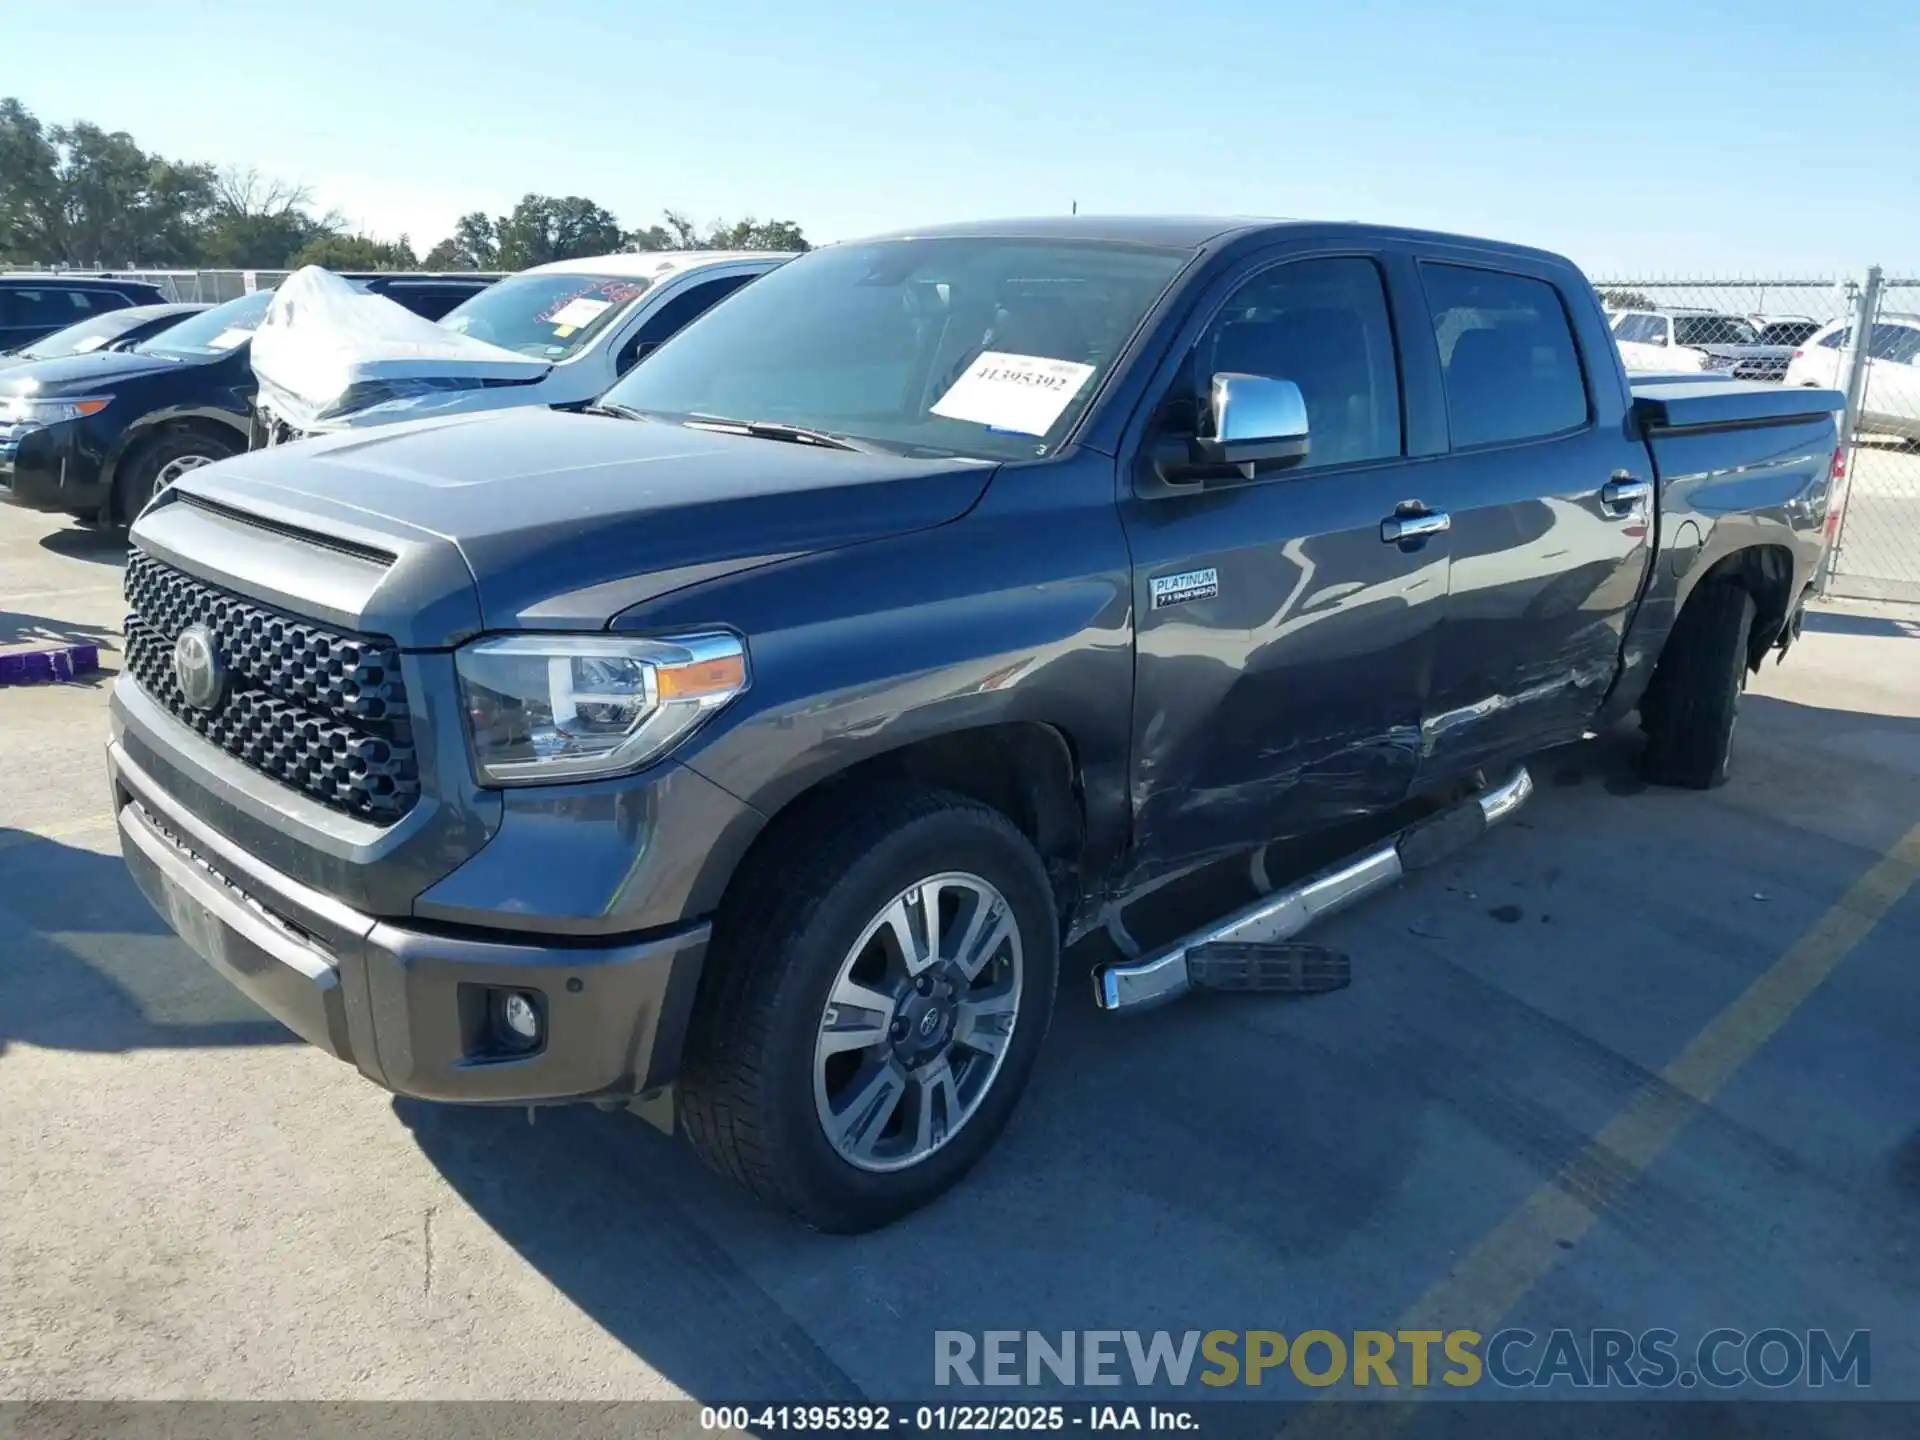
<point>521,1018</point>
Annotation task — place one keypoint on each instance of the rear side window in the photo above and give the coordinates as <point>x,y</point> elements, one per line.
<point>78,303</point>
<point>1713,330</point>
<point>675,315</point>
<point>1322,324</point>
<point>1507,355</point>
<point>53,306</point>
<point>1898,343</point>
<point>1638,329</point>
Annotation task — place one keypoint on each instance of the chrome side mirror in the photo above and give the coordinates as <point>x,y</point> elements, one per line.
<point>1258,424</point>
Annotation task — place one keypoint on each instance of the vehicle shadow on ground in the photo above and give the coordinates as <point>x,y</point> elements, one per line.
<point>1276,1132</point>
<point>86,965</point>
<point>18,627</point>
<point>79,542</point>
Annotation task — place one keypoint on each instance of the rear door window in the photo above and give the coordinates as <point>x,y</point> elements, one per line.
<point>1713,330</point>
<point>1507,355</point>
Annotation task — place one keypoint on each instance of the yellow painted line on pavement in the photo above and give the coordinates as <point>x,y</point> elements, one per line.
<point>1514,1256</point>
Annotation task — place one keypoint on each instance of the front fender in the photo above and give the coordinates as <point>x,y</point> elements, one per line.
<point>1019,611</point>
<point>153,421</point>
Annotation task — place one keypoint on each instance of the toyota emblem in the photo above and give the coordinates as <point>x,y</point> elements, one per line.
<point>198,669</point>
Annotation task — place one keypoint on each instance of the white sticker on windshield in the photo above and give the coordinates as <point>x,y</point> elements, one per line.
<point>1021,393</point>
<point>230,338</point>
<point>87,343</point>
<point>578,312</point>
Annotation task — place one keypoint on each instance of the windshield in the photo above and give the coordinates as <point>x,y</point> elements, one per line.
<point>1788,332</point>
<point>547,316</point>
<point>211,332</point>
<point>1712,330</point>
<point>965,345</point>
<point>82,336</point>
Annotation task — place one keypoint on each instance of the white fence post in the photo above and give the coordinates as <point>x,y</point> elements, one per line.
<point>1854,365</point>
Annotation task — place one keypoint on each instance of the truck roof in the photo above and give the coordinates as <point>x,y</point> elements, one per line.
<point>1188,231</point>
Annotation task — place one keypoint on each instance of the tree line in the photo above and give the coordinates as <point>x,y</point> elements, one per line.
<point>82,196</point>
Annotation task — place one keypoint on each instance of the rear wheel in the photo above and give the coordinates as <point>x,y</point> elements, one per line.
<point>875,1001</point>
<point>158,463</point>
<point>1693,703</point>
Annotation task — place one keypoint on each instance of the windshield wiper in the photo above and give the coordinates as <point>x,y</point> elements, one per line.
<point>770,430</point>
<point>615,409</point>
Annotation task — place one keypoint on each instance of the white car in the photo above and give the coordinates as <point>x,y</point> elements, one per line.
<point>329,358</point>
<point>1655,341</point>
<point>1890,402</point>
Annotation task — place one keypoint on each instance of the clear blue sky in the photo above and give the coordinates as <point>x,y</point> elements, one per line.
<point>1760,136</point>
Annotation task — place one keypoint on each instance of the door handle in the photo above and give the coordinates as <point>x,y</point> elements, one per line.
<point>1623,494</point>
<point>1414,526</point>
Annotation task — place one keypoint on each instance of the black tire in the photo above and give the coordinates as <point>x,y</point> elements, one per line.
<point>140,472</point>
<point>1693,702</point>
<point>746,1092</point>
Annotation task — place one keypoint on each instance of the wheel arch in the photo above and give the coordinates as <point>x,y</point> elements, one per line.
<point>1765,572</point>
<point>145,431</point>
<point>1028,770</point>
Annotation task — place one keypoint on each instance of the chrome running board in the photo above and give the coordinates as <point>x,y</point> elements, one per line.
<point>1162,976</point>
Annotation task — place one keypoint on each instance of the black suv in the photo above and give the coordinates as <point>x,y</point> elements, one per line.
<point>35,305</point>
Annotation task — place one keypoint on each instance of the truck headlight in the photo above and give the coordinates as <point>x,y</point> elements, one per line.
<point>546,708</point>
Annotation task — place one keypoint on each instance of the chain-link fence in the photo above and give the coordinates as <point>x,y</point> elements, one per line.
<point>188,287</point>
<point>1858,336</point>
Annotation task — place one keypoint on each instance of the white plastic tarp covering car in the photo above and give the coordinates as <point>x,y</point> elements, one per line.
<point>326,347</point>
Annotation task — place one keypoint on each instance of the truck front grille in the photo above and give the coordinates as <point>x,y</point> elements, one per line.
<point>321,710</point>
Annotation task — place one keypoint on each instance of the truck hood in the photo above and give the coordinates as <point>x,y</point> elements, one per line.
<point>326,347</point>
<point>79,374</point>
<point>565,520</point>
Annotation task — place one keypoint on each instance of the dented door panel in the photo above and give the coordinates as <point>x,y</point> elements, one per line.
<point>1292,697</point>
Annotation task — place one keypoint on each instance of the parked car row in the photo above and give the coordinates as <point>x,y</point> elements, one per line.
<point>1787,349</point>
<point>558,335</point>
<point>93,423</point>
<point>94,430</point>
<point>748,747</point>
<point>1745,347</point>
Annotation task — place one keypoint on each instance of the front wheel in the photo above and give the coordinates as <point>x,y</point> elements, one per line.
<point>160,462</point>
<point>875,1001</point>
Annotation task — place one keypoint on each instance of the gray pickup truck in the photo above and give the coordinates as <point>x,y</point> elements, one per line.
<point>745,750</point>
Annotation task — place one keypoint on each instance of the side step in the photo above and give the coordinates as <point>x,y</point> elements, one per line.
<point>1276,967</point>
<point>1168,974</point>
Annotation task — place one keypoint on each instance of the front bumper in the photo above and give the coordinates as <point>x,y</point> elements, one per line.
<point>49,467</point>
<point>408,1007</point>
